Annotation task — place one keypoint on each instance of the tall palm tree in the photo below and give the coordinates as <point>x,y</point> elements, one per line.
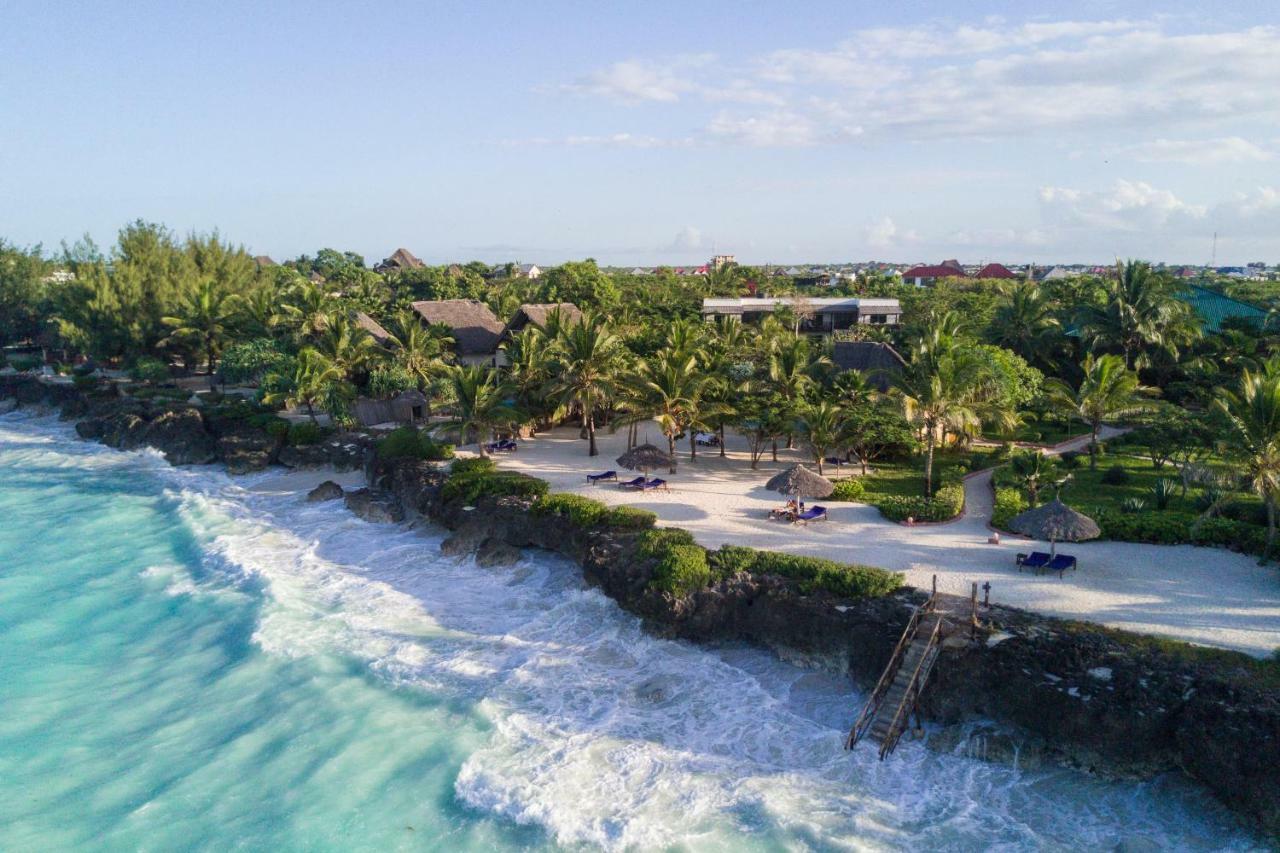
<point>306,310</point>
<point>203,321</point>
<point>1024,322</point>
<point>479,397</point>
<point>1137,309</point>
<point>670,385</point>
<point>822,425</point>
<point>1108,389</point>
<point>791,372</point>
<point>416,348</point>
<point>347,345</point>
<point>941,394</point>
<point>1033,469</point>
<point>315,381</point>
<point>585,361</point>
<point>1253,412</point>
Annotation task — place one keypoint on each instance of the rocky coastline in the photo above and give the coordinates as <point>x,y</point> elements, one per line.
<point>1057,691</point>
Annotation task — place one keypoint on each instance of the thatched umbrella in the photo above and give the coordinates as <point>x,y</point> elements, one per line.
<point>644,457</point>
<point>799,481</point>
<point>1055,521</point>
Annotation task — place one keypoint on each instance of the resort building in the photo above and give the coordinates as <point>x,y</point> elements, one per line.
<point>822,316</point>
<point>400,260</point>
<point>475,329</point>
<point>1213,308</point>
<point>538,314</point>
<point>380,335</point>
<point>878,361</point>
<point>926,275</point>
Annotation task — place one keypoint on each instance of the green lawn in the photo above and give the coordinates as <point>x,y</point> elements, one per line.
<point>906,479</point>
<point>1048,431</point>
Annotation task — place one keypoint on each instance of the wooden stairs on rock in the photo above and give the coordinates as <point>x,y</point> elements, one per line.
<point>885,716</point>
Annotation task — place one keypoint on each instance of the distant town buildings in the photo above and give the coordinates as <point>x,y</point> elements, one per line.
<point>821,315</point>
<point>719,262</point>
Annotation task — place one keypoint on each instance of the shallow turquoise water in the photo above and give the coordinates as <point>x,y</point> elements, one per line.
<point>186,663</point>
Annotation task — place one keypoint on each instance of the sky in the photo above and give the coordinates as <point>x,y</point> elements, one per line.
<point>647,133</point>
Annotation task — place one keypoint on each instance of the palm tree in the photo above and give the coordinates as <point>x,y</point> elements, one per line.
<point>203,321</point>
<point>315,380</point>
<point>1033,469</point>
<point>790,372</point>
<point>1137,309</point>
<point>306,310</point>
<point>1024,322</point>
<point>941,394</point>
<point>347,345</point>
<point>416,348</point>
<point>479,396</point>
<point>1253,413</point>
<point>585,365</point>
<point>1108,389</point>
<point>669,386</point>
<point>822,425</point>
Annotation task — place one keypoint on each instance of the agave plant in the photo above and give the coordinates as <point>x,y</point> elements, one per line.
<point>1162,491</point>
<point>1133,505</point>
<point>1210,498</point>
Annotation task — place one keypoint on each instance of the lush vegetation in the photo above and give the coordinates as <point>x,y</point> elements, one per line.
<point>1003,360</point>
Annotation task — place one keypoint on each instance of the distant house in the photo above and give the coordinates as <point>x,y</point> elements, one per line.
<point>528,271</point>
<point>879,361</point>
<point>829,314</point>
<point>925,275</point>
<point>1214,307</point>
<point>537,314</point>
<point>263,261</point>
<point>380,335</point>
<point>1058,274</point>
<point>639,271</point>
<point>722,261</point>
<point>995,271</point>
<point>474,327</point>
<point>400,260</point>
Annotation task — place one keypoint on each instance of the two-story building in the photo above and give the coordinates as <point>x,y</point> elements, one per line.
<point>824,314</point>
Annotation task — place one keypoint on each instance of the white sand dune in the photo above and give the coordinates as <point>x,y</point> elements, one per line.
<point>1204,595</point>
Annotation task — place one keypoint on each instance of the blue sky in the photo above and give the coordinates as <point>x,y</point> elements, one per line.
<point>640,133</point>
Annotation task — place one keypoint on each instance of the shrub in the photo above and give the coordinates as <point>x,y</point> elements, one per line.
<point>1133,505</point>
<point>1250,512</point>
<point>251,360</point>
<point>471,486</point>
<point>149,369</point>
<point>1008,503</point>
<point>83,382</point>
<point>386,380</point>
<point>304,433</point>
<point>682,569</point>
<point>474,465</point>
<point>629,518</point>
<point>277,428</point>
<point>730,560</point>
<point>812,573</point>
<point>407,443</point>
<point>582,511</point>
<point>1070,459</point>
<point>946,504</point>
<point>24,362</point>
<point>436,451</point>
<point>849,489</point>
<point>1116,475</point>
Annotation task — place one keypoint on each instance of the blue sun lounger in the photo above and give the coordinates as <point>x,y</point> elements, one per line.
<point>632,484</point>
<point>1060,563</point>
<point>598,478</point>
<point>814,513</point>
<point>1034,560</point>
<point>654,484</point>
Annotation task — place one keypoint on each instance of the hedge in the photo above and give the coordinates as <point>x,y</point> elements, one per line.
<point>682,564</point>
<point>813,573</point>
<point>1179,528</point>
<point>407,443</point>
<point>629,518</point>
<point>1008,503</point>
<point>946,504</point>
<point>582,511</point>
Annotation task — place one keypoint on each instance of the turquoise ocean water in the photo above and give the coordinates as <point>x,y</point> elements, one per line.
<point>189,664</point>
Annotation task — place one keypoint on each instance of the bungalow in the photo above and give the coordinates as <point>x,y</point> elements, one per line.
<point>925,275</point>
<point>474,327</point>
<point>530,271</point>
<point>538,314</point>
<point>829,314</point>
<point>263,261</point>
<point>879,361</point>
<point>380,335</point>
<point>400,260</point>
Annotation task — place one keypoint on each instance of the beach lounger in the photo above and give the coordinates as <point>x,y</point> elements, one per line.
<point>1060,563</point>
<point>834,460</point>
<point>707,439</point>
<point>814,513</point>
<point>599,478</point>
<point>504,445</point>
<point>654,484</point>
<point>1034,560</point>
<point>633,484</point>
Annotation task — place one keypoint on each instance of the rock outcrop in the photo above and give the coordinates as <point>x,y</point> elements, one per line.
<point>326,491</point>
<point>376,507</point>
<point>342,453</point>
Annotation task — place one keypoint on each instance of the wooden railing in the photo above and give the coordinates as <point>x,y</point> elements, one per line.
<point>913,691</point>
<point>865,719</point>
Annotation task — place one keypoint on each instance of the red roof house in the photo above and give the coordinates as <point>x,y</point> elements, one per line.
<point>994,271</point>
<point>929,273</point>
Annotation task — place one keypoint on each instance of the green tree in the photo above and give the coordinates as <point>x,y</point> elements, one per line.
<point>873,431</point>
<point>580,282</point>
<point>1025,323</point>
<point>23,293</point>
<point>585,360</point>
<point>1033,470</point>
<point>1135,310</point>
<point>316,381</point>
<point>202,322</point>
<point>478,397</point>
<point>1108,389</point>
<point>822,426</point>
<point>1253,415</point>
<point>939,394</point>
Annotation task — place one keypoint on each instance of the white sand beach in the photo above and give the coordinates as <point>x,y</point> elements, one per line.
<point>1204,595</point>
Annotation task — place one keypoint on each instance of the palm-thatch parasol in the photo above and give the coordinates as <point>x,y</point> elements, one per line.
<point>799,481</point>
<point>1055,521</point>
<point>643,457</point>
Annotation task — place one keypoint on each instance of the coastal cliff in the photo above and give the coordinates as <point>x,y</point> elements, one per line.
<point>1112,702</point>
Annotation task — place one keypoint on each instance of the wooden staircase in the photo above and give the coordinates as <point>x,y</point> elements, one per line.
<point>886,714</point>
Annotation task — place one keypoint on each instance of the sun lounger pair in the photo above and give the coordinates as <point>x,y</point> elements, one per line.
<point>814,513</point>
<point>645,485</point>
<point>504,446</point>
<point>600,478</point>
<point>1039,561</point>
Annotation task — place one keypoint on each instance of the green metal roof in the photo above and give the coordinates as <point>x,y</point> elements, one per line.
<point>1214,307</point>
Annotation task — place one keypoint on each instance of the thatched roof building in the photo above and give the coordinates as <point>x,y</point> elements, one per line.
<point>879,361</point>
<point>401,259</point>
<point>474,327</point>
<point>380,335</point>
<point>538,314</point>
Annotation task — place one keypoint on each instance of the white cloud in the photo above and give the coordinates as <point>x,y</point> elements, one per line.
<point>1199,152</point>
<point>687,238</point>
<point>993,79</point>
<point>1126,206</point>
<point>884,233</point>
